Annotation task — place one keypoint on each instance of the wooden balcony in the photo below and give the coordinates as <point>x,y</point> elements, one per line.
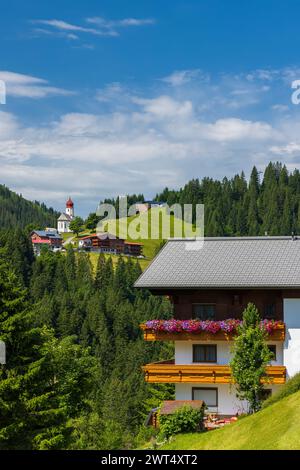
<point>277,334</point>
<point>169,372</point>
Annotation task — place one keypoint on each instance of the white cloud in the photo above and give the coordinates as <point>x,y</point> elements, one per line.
<point>140,142</point>
<point>115,24</point>
<point>292,148</point>
<point>64,26</point>
<point>21,85</point>
<point>8,125</point>
<point>112,92</point>
<point>181,77</point>
<point>135,21</point>
<point>280,107</point>
<point>165,106</point>
<point>100,26</point>
<point>232,129</point>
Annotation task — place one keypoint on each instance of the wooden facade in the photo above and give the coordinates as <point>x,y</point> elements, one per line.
<point>111,245</point>
<point>133,248</point>
<point>169,372</point>
<point>228,303</point>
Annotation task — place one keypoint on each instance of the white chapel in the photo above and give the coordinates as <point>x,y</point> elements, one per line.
<point>63,221</point>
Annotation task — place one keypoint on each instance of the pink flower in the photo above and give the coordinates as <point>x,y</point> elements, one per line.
<point>229,325</point>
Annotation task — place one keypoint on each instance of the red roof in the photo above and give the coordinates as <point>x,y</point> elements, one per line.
<point>69,203</point>
<point>92,235</point>
<point>134,243</point>
<point>103,236</point>
<point>170,406</point>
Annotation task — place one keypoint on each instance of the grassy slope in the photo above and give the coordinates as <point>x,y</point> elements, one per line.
<point>275,427</point>
<point>150,246</point>
<point>94,258</point>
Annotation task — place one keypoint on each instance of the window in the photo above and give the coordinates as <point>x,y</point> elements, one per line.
<point>208,395</point>
<point>204,311</point>
<point>269,311</point>
<point>272,348</point>
<point>204,353</point>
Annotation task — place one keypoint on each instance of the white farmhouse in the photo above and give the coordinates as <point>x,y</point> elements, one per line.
<point>210,288</point>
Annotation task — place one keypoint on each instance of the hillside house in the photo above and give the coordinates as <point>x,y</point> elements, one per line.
<point>214,285</point>
<point>103,244</point>
<point>49,238</point>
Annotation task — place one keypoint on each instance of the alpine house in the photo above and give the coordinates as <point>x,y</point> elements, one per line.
<point>210,288</point>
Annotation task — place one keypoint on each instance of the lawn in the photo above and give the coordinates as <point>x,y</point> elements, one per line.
<point>94,258</point>
<point>151,244</point>
<point>152,227</point>
<point>276,427</point>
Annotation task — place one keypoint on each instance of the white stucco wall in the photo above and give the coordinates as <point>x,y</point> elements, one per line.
<point>228,404</point>
<point>184,351</point>
<point>291,352</point>
<point>63,227</point>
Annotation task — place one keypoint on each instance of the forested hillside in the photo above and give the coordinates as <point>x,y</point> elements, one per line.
<point>268,203</point>
<point>73,376</point>
<point>15,211</point>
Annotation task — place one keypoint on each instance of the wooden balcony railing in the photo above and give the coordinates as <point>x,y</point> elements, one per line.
<point>169,372</point>
<point>277,334</point>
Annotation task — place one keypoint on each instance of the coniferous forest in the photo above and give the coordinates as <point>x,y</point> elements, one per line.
<point>15,211</point>
<point>73,378</point>
<point>268,203</point>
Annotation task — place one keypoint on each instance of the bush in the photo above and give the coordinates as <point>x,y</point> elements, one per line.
<point>291,386</point>
<point>184,419</point>
<point>146,436</point>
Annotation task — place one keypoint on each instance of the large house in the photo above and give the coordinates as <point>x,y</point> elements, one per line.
<point>48,237</point>
<point>211,286</point>
<point>104,243</point>
<point>63,221</point>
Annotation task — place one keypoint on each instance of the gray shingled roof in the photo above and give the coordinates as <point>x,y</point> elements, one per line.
<point>241,262</point>
<point>63,216</point>
<point>47,233</point>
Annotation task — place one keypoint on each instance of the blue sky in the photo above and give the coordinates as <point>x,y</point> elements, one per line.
<point>110,97</point>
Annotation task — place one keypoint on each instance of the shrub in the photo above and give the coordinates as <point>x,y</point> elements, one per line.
<point>146,436</point>
<point>251,355</point>
<point>184,419</point>
<point>291,386</point>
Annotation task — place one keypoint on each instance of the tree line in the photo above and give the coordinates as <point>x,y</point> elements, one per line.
<point>268,203</point>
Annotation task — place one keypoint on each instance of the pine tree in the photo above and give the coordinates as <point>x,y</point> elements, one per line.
<point>253,222</point>
<point>100,281</point>
<point>27,403</point>
<point>287,220</point>
<point>70,266</point>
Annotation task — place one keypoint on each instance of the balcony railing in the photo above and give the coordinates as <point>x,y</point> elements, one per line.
<point>193,330</point>
<point>169,372</point>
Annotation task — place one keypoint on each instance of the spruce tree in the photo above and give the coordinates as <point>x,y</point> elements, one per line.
<point>100,281</point>
<point>28,405</point>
